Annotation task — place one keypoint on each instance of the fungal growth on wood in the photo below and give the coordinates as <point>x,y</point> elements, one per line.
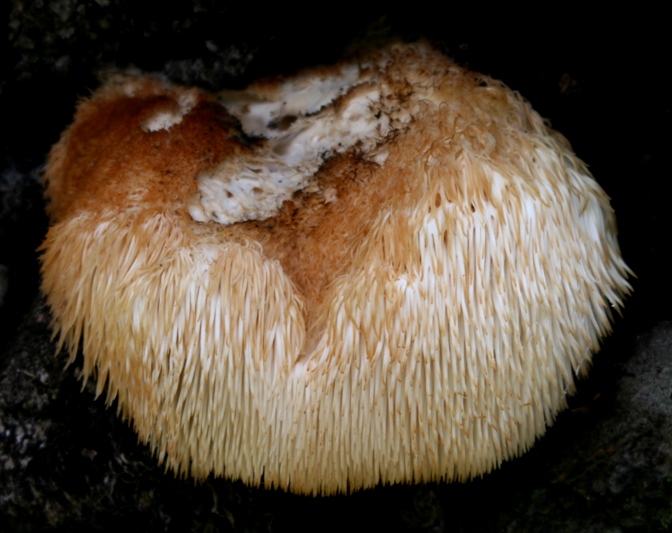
<point>389,270</point>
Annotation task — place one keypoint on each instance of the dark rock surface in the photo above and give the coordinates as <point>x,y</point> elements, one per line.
<point>68,463</point>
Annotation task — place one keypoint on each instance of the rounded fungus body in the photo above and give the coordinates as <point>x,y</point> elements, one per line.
<point>389,270</point>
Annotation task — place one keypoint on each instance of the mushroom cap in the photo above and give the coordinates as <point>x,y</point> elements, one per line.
<point>389,270</point>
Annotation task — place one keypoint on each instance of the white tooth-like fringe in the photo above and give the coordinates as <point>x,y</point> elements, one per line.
<point>448,347</point>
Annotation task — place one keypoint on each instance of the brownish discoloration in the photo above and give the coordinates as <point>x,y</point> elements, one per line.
<point>107,157</point>
<point>107,160</point>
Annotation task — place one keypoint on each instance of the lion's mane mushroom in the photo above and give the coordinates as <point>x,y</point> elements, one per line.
<point>390,270</point>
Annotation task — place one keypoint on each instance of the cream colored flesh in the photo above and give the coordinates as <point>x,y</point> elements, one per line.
<point>302,128</point>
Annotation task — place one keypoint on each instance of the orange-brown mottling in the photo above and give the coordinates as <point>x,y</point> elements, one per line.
<point>107,153</point>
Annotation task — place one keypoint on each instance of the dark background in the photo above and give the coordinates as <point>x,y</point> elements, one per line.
<point>601,80</point>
